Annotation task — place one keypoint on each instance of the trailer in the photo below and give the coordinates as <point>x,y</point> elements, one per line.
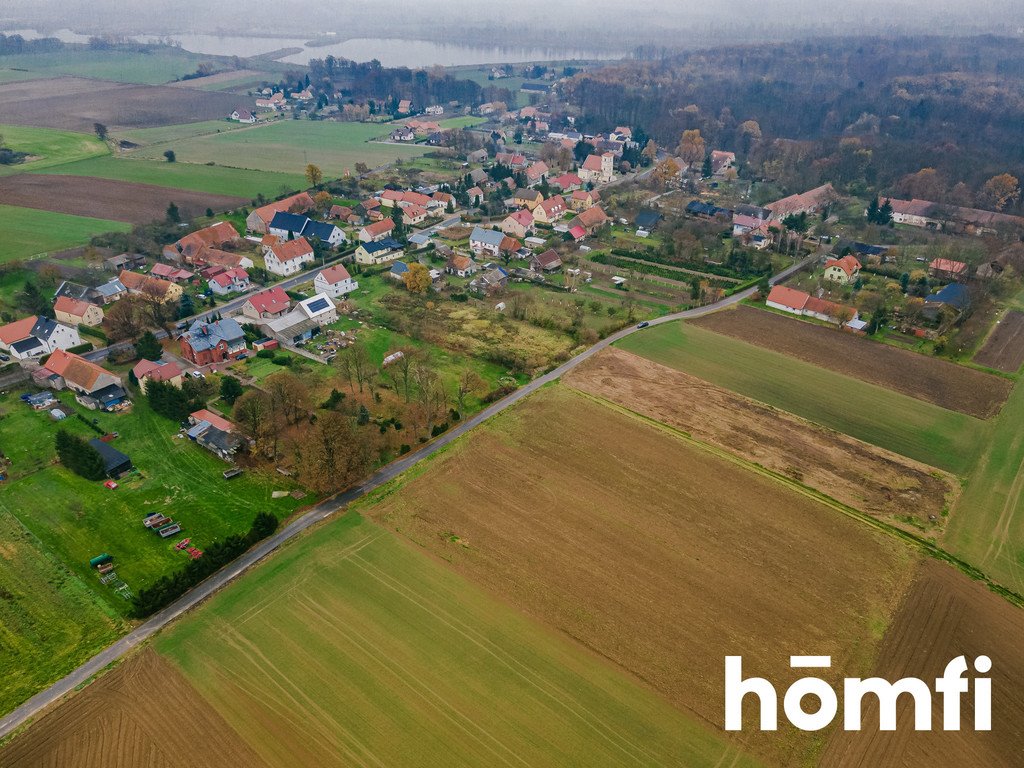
<point>169,530</point>
<point>233,472</point>
<point>99,560</point>
<point>156,521</point>
<point>105,568</point>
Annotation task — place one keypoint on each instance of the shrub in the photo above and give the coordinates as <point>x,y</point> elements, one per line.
<point>282,359</point>
<point>266,354</point>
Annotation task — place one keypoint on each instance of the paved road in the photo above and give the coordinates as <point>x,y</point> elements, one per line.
<point>328,507</point>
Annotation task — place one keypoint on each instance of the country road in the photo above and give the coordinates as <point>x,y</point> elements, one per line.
<point>326,508</point>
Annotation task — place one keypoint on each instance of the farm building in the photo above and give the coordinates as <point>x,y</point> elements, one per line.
<point>955,296</point>
<point>549,261</point>
<point>947,269</point>
<point>806,202</point>
<point>115,463</point>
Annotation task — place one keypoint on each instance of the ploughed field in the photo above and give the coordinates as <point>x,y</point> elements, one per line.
<point>1004,348</point>
<point>936,381</point>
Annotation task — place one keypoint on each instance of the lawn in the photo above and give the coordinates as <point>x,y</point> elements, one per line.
<point>286,146</point>
<point>149,68</point>
<point>201,178</point>
<point>76,519</point>
<point>28,231</point>
<point>913,428</point>
<point>360,650</point>
<point>48,147</point>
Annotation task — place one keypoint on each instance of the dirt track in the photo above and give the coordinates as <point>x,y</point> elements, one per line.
<point>944,615</point>
<point>936,381</point>
<point>860,475</point>
<point>141,715</point>
<point>1004,349</point>
<point>75,104</point>
<point>107,198</point>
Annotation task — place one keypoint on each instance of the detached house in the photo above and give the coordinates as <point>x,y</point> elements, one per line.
<point>243,116</point>
<point>378,252</point>
<point>461,266</point>
<point>518,224</point>
<point>288,258</point>
<point>272,302</point>
<point>536,172</point>
<point>550,211</point>
<point>229,281</point>
<point>842,271</point>
<point>35,336</point>
<point>527,198</point>
<point>259,220</point>
<point>597,169</point>
<point>147,370</point>
<point>152,288</point>
<point>486,240</point>
<point>549,261</point>
<point>287,225</point>
<point>722,161</point>
<point>334,282</point>
<point>75,312</point>
<point>206,343</point>
<point>582,199</point>
<point>96,388</point>
<point>191,249</point>
<point>377,231</point>
<point>591,220</point>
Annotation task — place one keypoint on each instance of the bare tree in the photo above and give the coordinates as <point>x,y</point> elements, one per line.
<point>469,383</point>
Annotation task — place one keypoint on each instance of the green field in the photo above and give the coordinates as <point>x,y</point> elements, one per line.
<point>286,146</point>
<point>38,642</point>
<point>165,133</point>
<point>15,75</point>
<point>451,123</point>
<point>201,178</point>
<point>363,651</point>
<point>49,146</point>
<point>152,68</point>
<point>911,427</point>
<point>76,519</point>
<point>27,232</point>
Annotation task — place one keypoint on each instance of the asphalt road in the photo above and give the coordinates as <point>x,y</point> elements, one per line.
<point>326,508</point>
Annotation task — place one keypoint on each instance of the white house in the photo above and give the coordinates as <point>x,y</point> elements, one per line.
<point>288,257</point>
<point>285,225</point>
<point>597,169</point>
<point>35,336</point>
<point>230,281</point>
<point>243,116</point>
<point>486,240</point>
<point>334,282</point>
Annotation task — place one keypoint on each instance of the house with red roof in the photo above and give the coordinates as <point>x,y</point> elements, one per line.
<point>191,248</point>
<point>334,281</point>
<point>947,269</point>
<point>518,224</point>
<point>549,261</point>
<point>800,303</point>
<point>536,172</point>
<point>172,273</point>
<point>77,312</point>
<point>149,370</point>
<point>377,231</point>
<point>581,199</point>
<point>229,281</point>
<point>592,219</point>
<point>597,169</point>
<point>550,210</point>
<point>567,182</point>
<point>259,220</point>
<point>809,202</point>
<point>722,161</point>
<point>271,303</point>
<point>842,271</point>
<point>289,257</point>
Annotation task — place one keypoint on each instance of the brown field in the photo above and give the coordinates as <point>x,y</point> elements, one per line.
<point>654,553</point>
<point>107,198</point>
<point>143,714</point>
<point>859,475</point>
<point>935,381</point>
<point>75,104</point>
<point>945,614</point>
<point>1004,349</point>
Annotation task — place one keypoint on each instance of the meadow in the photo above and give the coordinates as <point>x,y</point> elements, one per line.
<point>286,146</point>
<point>165,133</point>
<point>147,68</point>
<point>350,647</point>
<point>28,232</point>
<point>48,147</point>
<point>919,430</point>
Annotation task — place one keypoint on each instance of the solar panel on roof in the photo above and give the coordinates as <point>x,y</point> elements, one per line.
<point>317,304</point>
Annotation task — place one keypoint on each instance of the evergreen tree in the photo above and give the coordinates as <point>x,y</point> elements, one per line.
<point>885,213</point>
<point>173,214</point>
<point>706,169</point>
<point>186,308</point>
<point>873,210</point>
<point>230,389</point>
<point>148,348</point>
<point>79,457</point>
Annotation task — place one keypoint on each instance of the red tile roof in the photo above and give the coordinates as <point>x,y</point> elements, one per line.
<point>75,369</point>
<point>381,227</point>
<point>948,265</point>
<point>299,203</point>
<point>335,274</point>
<point>271,301</point>
<point>213,419</point>
<point>848,264</point>
<point>788,297</point>
<point>71,306</point>
<point>17,330</point>
<point>292,249</point>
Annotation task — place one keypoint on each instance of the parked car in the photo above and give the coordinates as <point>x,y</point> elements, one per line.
<point>644,324</point>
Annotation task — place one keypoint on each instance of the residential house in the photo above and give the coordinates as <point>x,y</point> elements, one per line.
<point>527,198</point>
<point>954,296</point>
<point>340,213</point>
<point>243,116</point>
<point>304,322</point>
<point>434,109</point>
<point>800,303</point>
<point>549,261</point>
<point>492,280</point>
<point>476,196</point>
<point>152,288</point>
<point>398,270</point>
<point>581,199</point>
<point>518,224</point>
<point>75,312</point>
<point>592,219</point>
<point>842,271</point>
<point>211,418</point>
<point>536,172</point>
<point>809,202</point>
<point>597,169</point>
<point>706,210</point>
<point>289,257</point>
<point>172,273</point>
<point>204,343</point>
<point>110,291</point>
<point>190,249</point>
<point>148,370</point>
<point>75,291</point>
<point>550,211</point>
<point>413,215</point>
<point>515,160</point>
<point>259,220</point>
<point>477,156</point>
<point>567,182</point>
<point>272,302</point>
<point>94,387</point>
<point>35,336</point>
<point>378,251</point>
<point>377,231</point>
<point>461,266</point>
<point>403,133</point>
<point>947,269</point>
<point>404,106</point>
<point>334,282</point>
<point>419,240</point>
<point>721,162</point>
<point>486,240</point>
<point>229,281</point>
<point>287,225</point>
<point>444,199</point>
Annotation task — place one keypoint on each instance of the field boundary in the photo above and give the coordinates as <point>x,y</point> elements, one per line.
<point>926,547</point>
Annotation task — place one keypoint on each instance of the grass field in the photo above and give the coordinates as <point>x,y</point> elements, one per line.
<point>922,431</point>
<point>201,178</point>
<point>48,146</point>
<point>146,136</point>
<point>77,519</point>
<point>28,232</point>
<point>151,68</point>
<point>38,642</point>
<point>16,75</point>
<point>351,648</point>
<point>287,146</point>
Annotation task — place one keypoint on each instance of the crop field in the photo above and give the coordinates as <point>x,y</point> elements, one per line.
<point>76,519</point>
<point>28,232</point>
<point>350,647</point>
<point>651,551</point>
<point>215,180</point>
<point>855,473</point>
<point>1004,348</point>
<point>108,199</point>
<point>149,68</point>
<point>166,133</point>
<point>905,425</point>
<point>76,104</point>
<point>944,615</point>
<point>141,714</point>
<point>38,642</point>
<point>286,146</point>
<point>47,147</point>
<point>927,378</point>
<point>223,80</point>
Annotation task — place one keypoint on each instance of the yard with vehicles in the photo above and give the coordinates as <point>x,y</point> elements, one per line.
<point>914,428</point>
<point>28,232</point>
<point>351,621</point>
<point>646,548</point>
<point>286,146</point>
<point>47,147</point>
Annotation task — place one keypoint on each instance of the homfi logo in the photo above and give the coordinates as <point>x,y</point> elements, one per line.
<point>951,687</point>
